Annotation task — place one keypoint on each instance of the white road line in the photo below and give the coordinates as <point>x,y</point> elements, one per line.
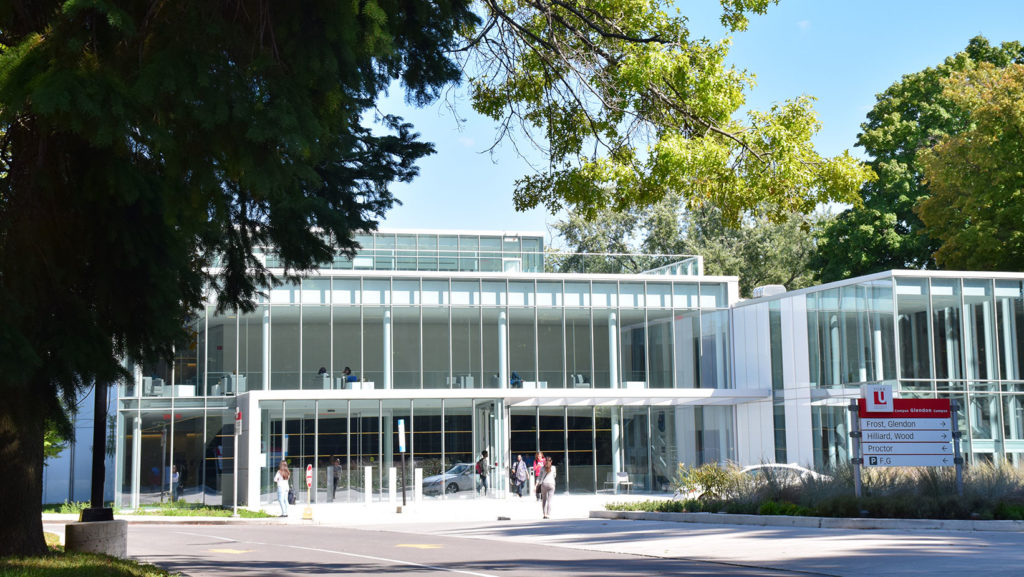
<point>371,557</point>
<point>396,561</point>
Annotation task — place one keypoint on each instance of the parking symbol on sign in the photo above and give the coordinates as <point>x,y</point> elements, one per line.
<point>872,460</point>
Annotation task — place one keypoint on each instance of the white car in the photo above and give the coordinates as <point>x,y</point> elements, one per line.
<point>461,477</point>
<point>785,473</point>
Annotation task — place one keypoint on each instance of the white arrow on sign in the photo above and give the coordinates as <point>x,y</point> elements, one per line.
<point>889,436</point>
<point>907,449</point>
<point>908,424</point>
<point>908,461</point>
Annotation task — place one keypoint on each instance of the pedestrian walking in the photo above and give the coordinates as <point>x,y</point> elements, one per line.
<point>283,486</point>
<point>538,466</point>
<point>519,474</point>
<point>547,487</point>
<point>481,471</point>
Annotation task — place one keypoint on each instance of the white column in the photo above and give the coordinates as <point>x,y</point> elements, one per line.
<point>502,350</point>
<point>613,354</point>
<point>417,484</point>
<point>387,349</point>
<point>368,485</point>
<point>1008,340</point>
<point>392,485</point>
<point>266,350</point>
<point>616,439</point>
<point>990,348</point>
<point>876,338</point>
<point>834,348</point>
<point>136,468</point>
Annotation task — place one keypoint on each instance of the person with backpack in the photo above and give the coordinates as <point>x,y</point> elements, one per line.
<point>519,475</point>
<point>481,471</point>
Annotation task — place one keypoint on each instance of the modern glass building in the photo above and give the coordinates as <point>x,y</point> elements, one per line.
<point>953,335</point>
<point>469,340</point>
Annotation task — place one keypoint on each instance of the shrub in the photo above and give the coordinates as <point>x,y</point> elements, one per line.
<point>708,481</point>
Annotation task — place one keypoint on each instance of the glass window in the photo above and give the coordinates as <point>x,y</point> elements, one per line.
<point>425,436</point>
<point>659,295</point>
<point>635,444</point>
<point>549,294</point>
<point>494,293</point>
<point>405,292</point>
<point>521,294</point>
<point>316,291</point>
<point>664,447</point>
<point>332,447</point>
<point>522,345</point>
<point>405,347</point>
<point>603,444</point>
<point>601,331</point>
<point>222,352</point>
<point>466,342</point>
<point>980,330</point>
<point>912,307</point>
<point>377,291</point>
<point>284,347</point>
<point>458,434</point>
<point>489,341</point>
<point>373,347</point>
<point>348,344</point>
<point>659,341</point>
<point>466,293</point>
<point>365,448</point>
<point>714,359</point>
<point>577,294</point>
<point>578,348</point>
<point>250,352</point>
<point>687,349</point>
<point>550,348</point>
<point>684,296</point>
<point>552,441</point>
<point>605,294</point>
<point>713,295</point>
<point>436,349</point>
<point>435,292</point>
<point>631,295</point>
<point>633,349</point>
<point>346,292</point>
<point>1010,320</point>
<point>316,347</point>
<point>946,328</point>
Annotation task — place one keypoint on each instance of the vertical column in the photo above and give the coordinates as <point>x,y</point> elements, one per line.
<point>136,451</point>
<point>613,352</point>
<point>502,350</point>
<point>876,340</point>
<point>990,346</point>
<point>387,349</point>
<point>1007,339</point>
<point>616,439</point>
<point>266,350</point>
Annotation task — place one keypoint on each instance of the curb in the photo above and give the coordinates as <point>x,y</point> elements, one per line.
<point>173,520</point>
<point>815,522</point>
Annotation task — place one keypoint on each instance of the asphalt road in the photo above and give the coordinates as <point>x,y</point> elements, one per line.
<point>236,551</point>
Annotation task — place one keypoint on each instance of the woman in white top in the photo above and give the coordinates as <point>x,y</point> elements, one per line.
<point>283,485</point>
<point>547,486</point>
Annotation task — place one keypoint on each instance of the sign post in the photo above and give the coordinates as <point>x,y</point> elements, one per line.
<point>401,449</point>
<point>234,461</point>
<point>308,513</point>
<point>857,461</point>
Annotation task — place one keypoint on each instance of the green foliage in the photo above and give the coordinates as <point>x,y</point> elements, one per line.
<point>758,250</point>
<point>883,231</point>
<point>977,175</point>
<point>709,481</point>
<point>900,493</point>
<point>629,107</point>
<point>184,509</point>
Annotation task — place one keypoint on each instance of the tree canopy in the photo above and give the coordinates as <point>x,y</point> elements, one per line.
<point>759,250</point>
<point>976,176</point>
<point>144,140</point>
<point>150,148</point>
<point>629,106</point>
<point>883,232</point>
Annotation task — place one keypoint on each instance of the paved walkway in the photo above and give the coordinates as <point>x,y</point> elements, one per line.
<point>845,552</point>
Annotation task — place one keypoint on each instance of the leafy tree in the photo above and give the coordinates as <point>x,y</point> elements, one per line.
<point>142,139</point>
<point>628,106</point>
<point>976,177</point>
<point>884,232</point>
<point>759,250</point>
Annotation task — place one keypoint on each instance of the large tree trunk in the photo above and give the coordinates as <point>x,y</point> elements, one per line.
<point>21,482</point>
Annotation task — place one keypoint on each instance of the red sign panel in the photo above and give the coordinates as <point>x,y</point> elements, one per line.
<point>909,409</point>
<point>309,476</point>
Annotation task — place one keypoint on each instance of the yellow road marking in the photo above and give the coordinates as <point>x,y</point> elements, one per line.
<point>419,546</point>
<point>231,551</point>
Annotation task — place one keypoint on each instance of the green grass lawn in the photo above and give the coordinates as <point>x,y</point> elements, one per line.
<point>178,509</point>
<point>61,564</point>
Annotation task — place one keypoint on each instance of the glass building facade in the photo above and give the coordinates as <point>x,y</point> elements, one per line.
<point>485,351</point>
<point>928,334</point>
<point>469,342</point>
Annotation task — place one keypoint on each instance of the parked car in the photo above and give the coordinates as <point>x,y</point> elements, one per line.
<point>461,477</point>
<point>784,473</point>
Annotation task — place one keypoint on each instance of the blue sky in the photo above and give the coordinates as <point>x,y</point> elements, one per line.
<point>842,53</point>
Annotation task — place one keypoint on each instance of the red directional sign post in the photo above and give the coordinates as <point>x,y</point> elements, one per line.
<point>915,433</point>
